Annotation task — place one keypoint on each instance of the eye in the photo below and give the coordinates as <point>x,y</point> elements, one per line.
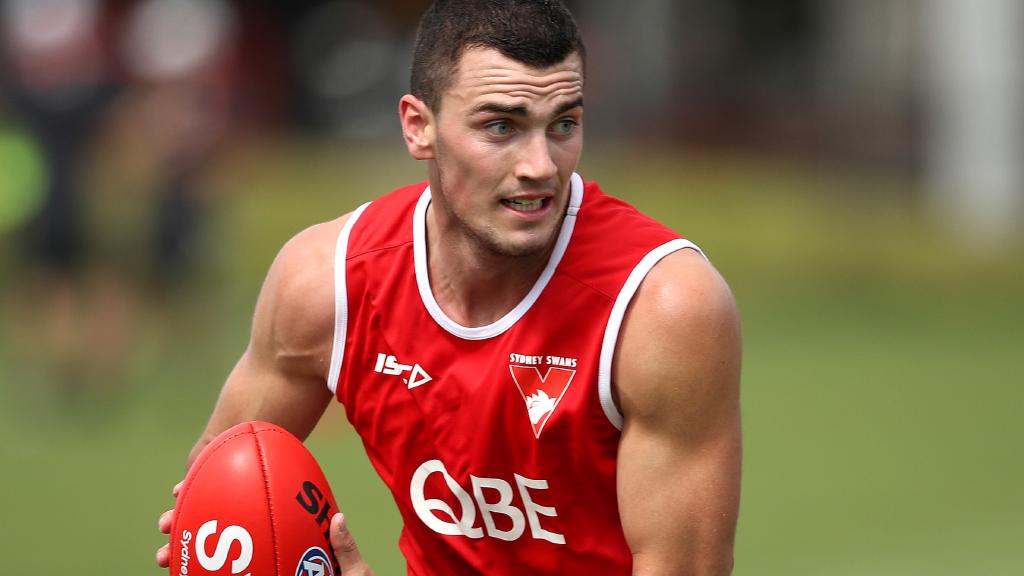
<point>565,126</point>
<point>499,128</point>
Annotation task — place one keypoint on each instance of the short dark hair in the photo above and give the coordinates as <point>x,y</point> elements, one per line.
<point>538,33</point>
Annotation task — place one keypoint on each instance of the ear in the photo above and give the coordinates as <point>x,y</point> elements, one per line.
<point>418,127</point>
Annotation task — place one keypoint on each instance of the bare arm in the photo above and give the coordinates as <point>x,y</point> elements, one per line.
<point>281,376</point>
<point>677,374</point>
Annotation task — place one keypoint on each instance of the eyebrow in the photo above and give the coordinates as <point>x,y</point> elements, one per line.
<point>490,107</point>
<point>493,108</point>
<point>577,103</point>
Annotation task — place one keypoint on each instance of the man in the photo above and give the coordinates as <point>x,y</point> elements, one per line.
<point>547,380</point>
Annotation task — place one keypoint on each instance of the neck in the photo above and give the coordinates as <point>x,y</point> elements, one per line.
<point>474,286</point>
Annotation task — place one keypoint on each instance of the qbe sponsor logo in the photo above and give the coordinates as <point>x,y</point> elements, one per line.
<point>492,497</point>
<point>314,562</point>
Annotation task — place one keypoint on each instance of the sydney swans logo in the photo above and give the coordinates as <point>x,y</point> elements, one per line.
<point>541,392</point>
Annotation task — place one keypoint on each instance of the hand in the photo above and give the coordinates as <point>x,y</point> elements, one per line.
<point>163,554</point>
<point>350,561</point>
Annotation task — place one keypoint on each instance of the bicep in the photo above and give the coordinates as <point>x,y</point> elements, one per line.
<point>281,376</point>
<point>677,383</point>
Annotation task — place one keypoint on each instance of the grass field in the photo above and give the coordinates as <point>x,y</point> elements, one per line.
<point>883,386</point>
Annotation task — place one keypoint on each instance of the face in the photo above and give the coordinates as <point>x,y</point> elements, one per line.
<point>503,146</point>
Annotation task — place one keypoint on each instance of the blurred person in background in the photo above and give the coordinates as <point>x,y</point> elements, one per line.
<point>180,56</point>
<point>128,106</point>
<point>505,323</point>
<point>59,80</point>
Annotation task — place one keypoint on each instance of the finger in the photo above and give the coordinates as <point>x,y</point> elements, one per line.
<point>350,561</point>
<point>176,489</point>
<point>165,522</point>
<point>163,556</point>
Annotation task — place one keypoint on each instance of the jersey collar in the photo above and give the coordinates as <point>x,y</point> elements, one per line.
<point>508,320</point>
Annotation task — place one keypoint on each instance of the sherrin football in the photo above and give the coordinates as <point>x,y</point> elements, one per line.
<point>254,503</point>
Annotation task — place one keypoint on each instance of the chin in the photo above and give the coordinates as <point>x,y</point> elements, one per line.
<point>521,250</point>
<point>524,245</point>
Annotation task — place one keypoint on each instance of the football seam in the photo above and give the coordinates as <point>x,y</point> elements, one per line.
<point>270,502</point>
<point>197,466</point>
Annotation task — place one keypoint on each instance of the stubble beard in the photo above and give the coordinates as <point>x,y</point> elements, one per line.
<point>486,238</point>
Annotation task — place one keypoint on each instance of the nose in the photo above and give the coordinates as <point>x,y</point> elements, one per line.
<point>535,162</point>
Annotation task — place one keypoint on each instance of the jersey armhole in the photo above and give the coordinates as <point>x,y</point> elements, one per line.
<point>341,300</point>
<point>611,331</point>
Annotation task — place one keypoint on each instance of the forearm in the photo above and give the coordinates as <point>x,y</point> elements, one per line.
<point>252,392</point>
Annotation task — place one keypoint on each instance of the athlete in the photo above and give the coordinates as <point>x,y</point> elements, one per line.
<point>547,380</point>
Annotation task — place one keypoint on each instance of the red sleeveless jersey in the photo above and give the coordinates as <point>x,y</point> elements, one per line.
<point>498,442</point>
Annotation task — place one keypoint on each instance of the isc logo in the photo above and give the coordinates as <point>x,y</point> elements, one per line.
<point>390,366</point>
<point>499,502</point>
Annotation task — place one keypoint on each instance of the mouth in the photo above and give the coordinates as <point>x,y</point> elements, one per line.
<point>526,205</point>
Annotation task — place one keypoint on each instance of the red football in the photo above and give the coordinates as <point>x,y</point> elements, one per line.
<point>256,503</point>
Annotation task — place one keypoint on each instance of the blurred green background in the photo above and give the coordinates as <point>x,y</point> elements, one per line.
<point>881,397</point>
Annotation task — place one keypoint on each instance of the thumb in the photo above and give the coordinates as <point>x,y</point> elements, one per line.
<point>350,561</point>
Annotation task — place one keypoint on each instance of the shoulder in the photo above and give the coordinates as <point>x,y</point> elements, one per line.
<point>294,316</point>
<point>308,255</point>
<point>680,347</point>
<point>684,285</point>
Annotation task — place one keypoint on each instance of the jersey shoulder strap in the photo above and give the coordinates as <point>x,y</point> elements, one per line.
<point>375,226</point>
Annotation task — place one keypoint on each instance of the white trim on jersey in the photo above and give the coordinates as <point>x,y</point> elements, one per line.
<point>508,320</point>
<point>341,300</point>
<point>611,331</point>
